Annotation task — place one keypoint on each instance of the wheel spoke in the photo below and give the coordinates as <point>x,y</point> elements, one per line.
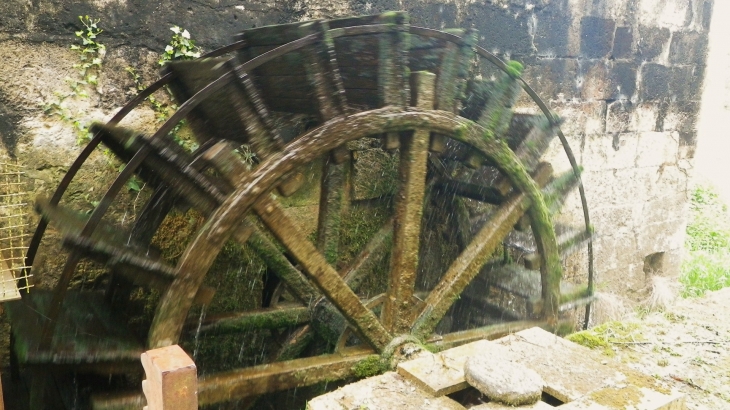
<point>469,263</point>
<point>397,310</point>
<point>295,281</point>
<point>273,377</point>
<point>324,276</point>
<point>332,201</point>
<point>370,257</point>
<point>237,322</point>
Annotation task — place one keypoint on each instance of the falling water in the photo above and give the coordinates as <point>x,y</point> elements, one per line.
<point>197,332</point>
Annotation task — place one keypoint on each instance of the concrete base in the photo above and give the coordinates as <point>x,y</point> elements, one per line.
<point>577,376</point>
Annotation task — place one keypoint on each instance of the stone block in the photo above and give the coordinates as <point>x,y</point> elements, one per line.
<point>622,78</point>
<point>614,220</point>
<point>581,118</point>
<point>618,117</point>
<point>433,15</point>
<point>673,14</point>
<point>615,186</point>
<point>552,28</point>
<point>614,251</point>
<point>655,81</point>
<point>660,181</point>
<point>553,77</point>
<point>652,42</point>
<point>623,43</point>
<point>618,10</point>
<point>670,207</point>
<point>499,29</point>
<point>547,354</point>
<point>681,116</point>
<point>387,391</point>
<point>657,148</point>
<point>610,151</point>
<point>593,80</point>
<point>503,381</point>
<point>661,237</point>
<point>686,82</point>
<point>442,373</point>
<point>555,154</point>
<point>644,117</point>
<point>596,36</point>
<point>688,47</point>
<point>707,6</point>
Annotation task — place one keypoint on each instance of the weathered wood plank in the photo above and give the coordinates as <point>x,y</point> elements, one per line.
<point>397,309</point>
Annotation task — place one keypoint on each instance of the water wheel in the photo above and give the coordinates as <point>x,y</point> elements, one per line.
<point>295,111</point>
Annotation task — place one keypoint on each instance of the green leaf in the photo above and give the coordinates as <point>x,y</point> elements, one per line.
<point>133,185</point>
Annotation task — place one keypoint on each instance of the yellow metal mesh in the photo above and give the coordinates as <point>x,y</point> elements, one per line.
<point>14,232</point>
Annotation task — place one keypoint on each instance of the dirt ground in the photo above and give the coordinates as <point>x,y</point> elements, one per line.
<point>686,346</point>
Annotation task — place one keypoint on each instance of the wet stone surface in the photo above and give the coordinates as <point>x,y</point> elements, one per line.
<point>503,381</point>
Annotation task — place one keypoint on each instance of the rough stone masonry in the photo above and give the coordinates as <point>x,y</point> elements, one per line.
<point>626,76</point>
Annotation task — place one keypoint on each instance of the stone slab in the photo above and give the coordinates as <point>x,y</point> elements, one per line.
<point>574,374</point>
<point>540,405</point>
<point>624,398</point>
<point>387,391</point>
<point>443,373</point>
<point>583,378</point>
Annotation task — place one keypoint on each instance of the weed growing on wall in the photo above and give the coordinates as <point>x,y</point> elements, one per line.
<point>180,47</point>
<point>91,53</point>
<point>707,265</point>
<point>91,56</point>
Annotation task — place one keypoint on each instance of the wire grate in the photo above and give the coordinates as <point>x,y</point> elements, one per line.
<point>14,232</point>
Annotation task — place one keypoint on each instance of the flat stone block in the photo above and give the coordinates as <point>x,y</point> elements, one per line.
<point>657,148</point>
<point>655,81</point>
<point>540,405</point>
<point>387,391</point>
<point>623,43</point>
<point>575,374</point>
<point>688,47</point>
<point>553,77</point>
<point>672,14</point>
<point>615,398</point>
<point>443,373</point>
<point>586,118</point>
<point>596,36</point>
<point>653,42</point>
<point>579,377</point>
<point>686,82</point>
<point>622,80</point>
<point>644,117</point>
<point>618,116</point>
<point>604,152</point>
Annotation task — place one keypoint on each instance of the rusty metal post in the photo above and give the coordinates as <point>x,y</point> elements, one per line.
<point>172,379</point>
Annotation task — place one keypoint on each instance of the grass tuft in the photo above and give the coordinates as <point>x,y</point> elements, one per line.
<point>707,265</point>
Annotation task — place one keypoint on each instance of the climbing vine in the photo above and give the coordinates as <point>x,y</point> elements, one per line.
<point>91,54</point>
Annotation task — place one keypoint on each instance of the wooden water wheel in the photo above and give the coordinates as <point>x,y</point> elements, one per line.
<point>294,111</point>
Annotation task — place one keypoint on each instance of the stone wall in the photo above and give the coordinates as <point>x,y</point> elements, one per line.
<point>625,75</point>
